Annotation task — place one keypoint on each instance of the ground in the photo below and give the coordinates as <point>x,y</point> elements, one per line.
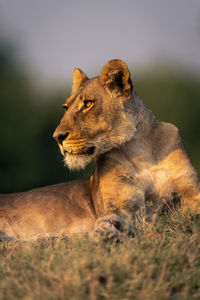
<point>156,261</point>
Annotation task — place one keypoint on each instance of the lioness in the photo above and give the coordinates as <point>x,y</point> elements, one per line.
<point>139,160</point>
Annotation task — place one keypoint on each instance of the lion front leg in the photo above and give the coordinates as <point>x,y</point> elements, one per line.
<point>117,199</point>
<point>119,212</point>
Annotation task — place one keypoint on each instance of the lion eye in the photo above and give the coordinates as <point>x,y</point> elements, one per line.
<point>65,107</point>
<point>87,104</point>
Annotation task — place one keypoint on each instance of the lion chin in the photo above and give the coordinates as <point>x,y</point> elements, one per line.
<point>76,162</point>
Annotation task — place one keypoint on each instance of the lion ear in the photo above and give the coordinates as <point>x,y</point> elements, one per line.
<point>116,79</point>
<point>79,77</point>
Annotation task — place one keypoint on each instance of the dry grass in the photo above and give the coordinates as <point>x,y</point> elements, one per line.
<point>159,261</point>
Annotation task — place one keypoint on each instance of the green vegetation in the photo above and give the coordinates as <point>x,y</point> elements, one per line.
<point>159,261</point>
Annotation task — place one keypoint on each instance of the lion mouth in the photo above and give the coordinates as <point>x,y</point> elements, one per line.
<point>89,151</point>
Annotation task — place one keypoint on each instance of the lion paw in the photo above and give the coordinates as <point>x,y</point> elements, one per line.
<point>109,227</point>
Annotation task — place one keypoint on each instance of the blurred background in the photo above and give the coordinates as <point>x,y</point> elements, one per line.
<point>41,42</point>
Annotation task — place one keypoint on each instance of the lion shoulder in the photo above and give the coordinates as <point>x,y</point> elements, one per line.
<point>165,139</point>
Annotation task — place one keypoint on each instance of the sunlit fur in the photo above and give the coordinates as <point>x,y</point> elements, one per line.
<point>141,164</point>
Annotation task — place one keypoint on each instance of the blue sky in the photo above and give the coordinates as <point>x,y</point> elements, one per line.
<point>54,37</point>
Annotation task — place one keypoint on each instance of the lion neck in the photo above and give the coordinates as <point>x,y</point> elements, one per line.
<point>144,122</point>
<point>143,118</point>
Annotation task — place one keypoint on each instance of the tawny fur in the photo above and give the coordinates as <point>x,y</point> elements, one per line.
<point>141,163</point>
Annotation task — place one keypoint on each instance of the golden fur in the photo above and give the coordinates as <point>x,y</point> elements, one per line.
<point>141,163</point>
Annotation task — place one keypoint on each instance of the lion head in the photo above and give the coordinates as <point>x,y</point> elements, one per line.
<point>98,115</point>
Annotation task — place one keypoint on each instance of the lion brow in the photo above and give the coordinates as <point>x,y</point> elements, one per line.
<point>70,100</point>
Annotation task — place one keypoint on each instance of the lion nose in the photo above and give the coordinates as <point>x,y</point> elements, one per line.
<point>60,137</point>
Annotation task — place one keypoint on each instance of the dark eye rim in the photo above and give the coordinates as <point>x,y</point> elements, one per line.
<point>65,107</point>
